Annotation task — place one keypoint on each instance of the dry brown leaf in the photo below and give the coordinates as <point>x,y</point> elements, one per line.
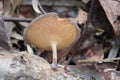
<point>95,52</point>
<point>106,69</point>
<point>82,16</point>
<point>112,11</point>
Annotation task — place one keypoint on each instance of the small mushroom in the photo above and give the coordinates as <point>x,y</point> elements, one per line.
<point>49,32</point>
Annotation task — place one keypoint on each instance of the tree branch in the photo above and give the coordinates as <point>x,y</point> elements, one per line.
<point>17,19</point>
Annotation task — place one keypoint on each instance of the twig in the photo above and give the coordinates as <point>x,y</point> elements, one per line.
<point>17,19</point>
<point>100,61</point>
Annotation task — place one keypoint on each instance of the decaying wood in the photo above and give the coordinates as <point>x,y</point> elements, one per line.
<point>21,65</point>
<point>24,66</point>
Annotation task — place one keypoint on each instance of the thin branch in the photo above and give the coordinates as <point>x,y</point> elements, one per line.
<point>100,61</point>
<point>17,19</point>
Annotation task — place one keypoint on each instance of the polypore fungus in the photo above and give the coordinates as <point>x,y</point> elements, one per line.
<point>49,32</point>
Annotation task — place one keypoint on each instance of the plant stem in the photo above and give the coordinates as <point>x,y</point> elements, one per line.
<point>54,50</point>
<point>54,62</point>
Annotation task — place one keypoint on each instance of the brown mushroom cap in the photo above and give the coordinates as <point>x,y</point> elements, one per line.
<point>48,29</point>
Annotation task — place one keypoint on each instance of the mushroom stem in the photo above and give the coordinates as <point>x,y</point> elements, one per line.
<point>54,51</point>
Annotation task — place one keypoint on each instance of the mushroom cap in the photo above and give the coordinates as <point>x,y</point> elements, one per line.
<point>49,28</point>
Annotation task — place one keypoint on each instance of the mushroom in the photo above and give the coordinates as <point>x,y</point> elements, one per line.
<point>49,32</point>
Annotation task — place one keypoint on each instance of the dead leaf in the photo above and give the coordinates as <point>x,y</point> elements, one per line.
<point>82,16</point>
<point>27,11</point>
<point>16,36</point>
<point>95,52</point>
<point>35,6</point>
<point>106,69</point>
<point>9,27</point>
<point>29,49</point>
<point>112,11</point>
<point>10,6</point>
<point>111,66</point>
